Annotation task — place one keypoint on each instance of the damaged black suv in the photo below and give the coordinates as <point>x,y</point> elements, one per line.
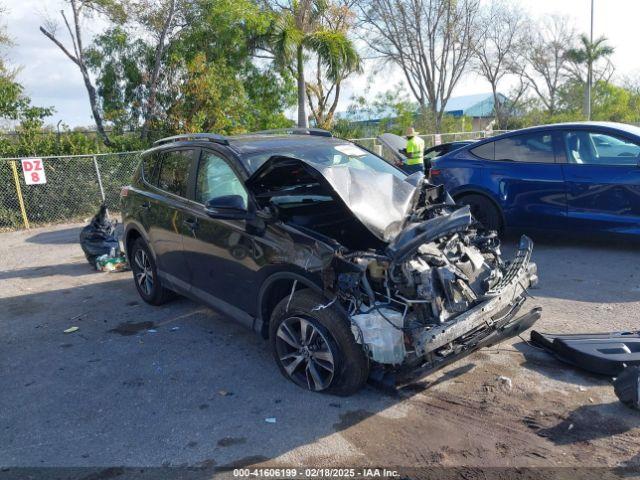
<point>350,268</point>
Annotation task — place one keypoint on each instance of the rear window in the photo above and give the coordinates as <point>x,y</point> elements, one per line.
<point>486,151</point>
<point>174,171</point>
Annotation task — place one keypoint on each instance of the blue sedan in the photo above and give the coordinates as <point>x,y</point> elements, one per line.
<point>577,177</point>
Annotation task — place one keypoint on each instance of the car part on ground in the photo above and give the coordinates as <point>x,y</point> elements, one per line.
<point>98,237</point>
<point>627,387</point>
<point>600,353</point>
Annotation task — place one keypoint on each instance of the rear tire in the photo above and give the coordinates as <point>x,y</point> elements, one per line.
<point>484,211</point>
<point>326,358</point>
<point>145,275</point>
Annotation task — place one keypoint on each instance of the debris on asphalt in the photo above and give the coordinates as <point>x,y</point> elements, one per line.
<point>71,330</point>
<point>627,387</point>
<point>173,329</point>
<point>111,262</point>
<point>152,330</point>
<point>270,419</point>
<point>224,393</point>
<point>505,382</point>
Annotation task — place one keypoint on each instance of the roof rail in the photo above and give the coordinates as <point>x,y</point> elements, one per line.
<point>318,132</point>
<point>212,137</point>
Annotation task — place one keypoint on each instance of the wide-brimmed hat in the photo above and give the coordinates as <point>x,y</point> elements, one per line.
<point>411,132</point>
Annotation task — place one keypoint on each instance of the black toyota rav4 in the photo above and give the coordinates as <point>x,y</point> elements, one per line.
<point>349,267</point>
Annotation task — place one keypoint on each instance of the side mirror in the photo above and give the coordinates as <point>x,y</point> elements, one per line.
<point>227,206</point>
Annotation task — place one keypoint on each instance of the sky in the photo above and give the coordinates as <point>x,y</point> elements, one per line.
<point>51,79</point>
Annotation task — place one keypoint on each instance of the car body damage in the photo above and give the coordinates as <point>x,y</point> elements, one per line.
<point>421,283</point>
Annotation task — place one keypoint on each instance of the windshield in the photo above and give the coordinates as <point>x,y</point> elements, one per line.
<point>328,155</point>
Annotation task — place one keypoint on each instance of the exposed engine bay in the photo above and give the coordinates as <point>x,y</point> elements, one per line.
<point>421,282</point>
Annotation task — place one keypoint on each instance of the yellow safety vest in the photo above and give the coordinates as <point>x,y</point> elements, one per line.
<point>415,151</point>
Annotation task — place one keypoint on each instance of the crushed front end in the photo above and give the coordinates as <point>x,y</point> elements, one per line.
<point>439,291</point>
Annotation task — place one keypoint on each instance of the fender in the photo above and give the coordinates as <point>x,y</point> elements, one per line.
<point>303,278</point>
<point>133,225</point>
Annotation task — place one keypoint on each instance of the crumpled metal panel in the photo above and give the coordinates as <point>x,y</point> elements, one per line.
<point>381,201</point>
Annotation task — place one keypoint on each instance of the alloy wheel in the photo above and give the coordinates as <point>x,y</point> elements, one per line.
<point>305,354</point>
<point>143,272</point>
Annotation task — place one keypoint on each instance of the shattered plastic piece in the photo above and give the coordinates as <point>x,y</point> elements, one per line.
<point>270,419</point>
<point>174,329</point>
<point>627,387</point>
<point>505,382</point>
<point>224,393</point>
<point>152,330</point>
<point>71,330</point>
<point>382,333</point>
<point>601,353</point>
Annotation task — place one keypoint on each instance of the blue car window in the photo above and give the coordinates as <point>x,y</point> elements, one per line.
<point>596,148</point>
<point>535,147</point>
<point>485,151</point>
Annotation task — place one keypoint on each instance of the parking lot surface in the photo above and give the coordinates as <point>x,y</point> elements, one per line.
<point>180,385</point>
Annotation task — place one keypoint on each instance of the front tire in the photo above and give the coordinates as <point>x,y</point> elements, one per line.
<point>484,211</point>
<point>316,349</point>
<point>145,275</point>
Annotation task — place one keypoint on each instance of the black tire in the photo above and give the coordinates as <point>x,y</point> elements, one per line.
<point>333,335</point>
<point>484,211</point>
<point>147,282</point>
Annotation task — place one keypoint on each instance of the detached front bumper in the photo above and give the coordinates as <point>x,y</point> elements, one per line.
<point>493,317</point>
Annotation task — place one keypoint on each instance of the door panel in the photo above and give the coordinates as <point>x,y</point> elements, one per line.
<point>528,180</point>
<point>603,181</point>
<point>164,213</point>
<point>222,256</point>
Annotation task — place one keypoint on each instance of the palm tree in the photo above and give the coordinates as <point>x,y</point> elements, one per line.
<point>588,53</point>
<point>300,28</point>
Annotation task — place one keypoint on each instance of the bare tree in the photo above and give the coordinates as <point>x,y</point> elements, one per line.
<point>544,63</point>
<point>430,40</point>
<point>502,26</point>
<point>162,20</point>
<point>76,53</point>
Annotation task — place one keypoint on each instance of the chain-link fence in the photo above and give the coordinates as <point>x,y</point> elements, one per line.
<point>74,189</point>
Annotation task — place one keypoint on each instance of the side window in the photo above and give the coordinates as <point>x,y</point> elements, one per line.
<point>529,147</point>
<point>433,152</point>
<point>150,169</point>
<point>595,148</point>
<point>217,179</point>
<point>486,151</point>
<point>174,171</point>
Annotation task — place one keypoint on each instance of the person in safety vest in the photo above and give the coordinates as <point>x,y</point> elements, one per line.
<point>414,151</point>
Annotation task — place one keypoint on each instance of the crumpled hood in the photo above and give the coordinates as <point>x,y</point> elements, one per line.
<point>380,201</point>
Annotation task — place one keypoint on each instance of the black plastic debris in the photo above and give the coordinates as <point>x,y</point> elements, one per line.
<point>601,353</point>
<point>627,387</point>
<point>98,238</point>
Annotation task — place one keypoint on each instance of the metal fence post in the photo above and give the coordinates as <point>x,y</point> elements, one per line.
<point>16,179</point>
<point>95,164</point>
